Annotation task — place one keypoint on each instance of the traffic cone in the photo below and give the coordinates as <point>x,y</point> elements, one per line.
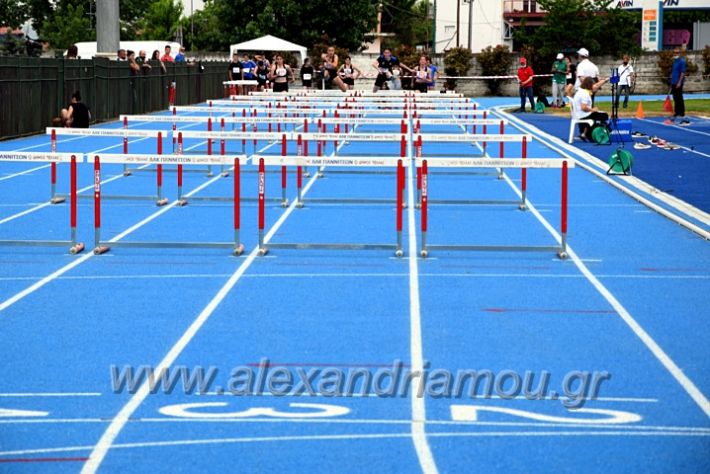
<point>639,111</point>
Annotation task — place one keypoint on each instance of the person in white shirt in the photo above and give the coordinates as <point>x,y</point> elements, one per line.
<point>626,78</point>
<point>585,68</point>
<point>584,106</point>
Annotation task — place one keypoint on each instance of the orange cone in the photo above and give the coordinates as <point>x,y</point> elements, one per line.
<point>639,111</point>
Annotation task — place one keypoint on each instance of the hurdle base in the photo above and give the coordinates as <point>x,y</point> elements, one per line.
<point>497,248</point>
<point>562,255</point>
<point>263,251</point>
<point>284,203</point>
<point>424,253</point>
<point>224,174</point>
<point>77,248</point>
<point>522,206</point>
<point>333,246</point>
<point>57,200</point>
<point>181,202</point>
<point>475,202</point>
<point>238,250</point>
<point>161,202</point>
<point>127,173</point>
<point>101,249</point>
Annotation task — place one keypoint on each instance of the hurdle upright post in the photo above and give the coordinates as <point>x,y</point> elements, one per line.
<point>485,129</point>
<point>75,247</point>
<point>98,248</point>
<point>222,150</point>
<point>563,213</point>
<point>262,190</point>
<point>501,150</point>
<point>284,149</point>
<point>306,173</point>
<point>255,128</point>
<point>54,199</point>
<point>400,186</point>
<point>418,155</point>
<point>181,200</point>
<point>126,171</point>
<point>524,178</point>
<point>238,246</point>
<point>244,130</point>
<point>159,174</point>
<point>299,173</point>
<point>209,146</point>
<point>425,199</point>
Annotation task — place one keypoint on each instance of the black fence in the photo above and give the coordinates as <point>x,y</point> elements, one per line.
<point>34,90</point>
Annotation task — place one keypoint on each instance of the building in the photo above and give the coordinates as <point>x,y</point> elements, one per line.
<point>493,21</point>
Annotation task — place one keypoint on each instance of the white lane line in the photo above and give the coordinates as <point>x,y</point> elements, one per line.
<point>100,450</point>
<point>637,329</point>
<point>61,271</point>
<point>378,436</point>
<point>685,129</point>
<point>79,191</point>
<point>49,394</point>
<point>421,445</point>
<point>21,173</point>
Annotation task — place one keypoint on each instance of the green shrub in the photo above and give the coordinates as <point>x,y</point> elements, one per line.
<point>495,61</point>
<point>457,62</point>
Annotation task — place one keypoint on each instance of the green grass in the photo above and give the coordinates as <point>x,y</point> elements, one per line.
<point>650,108</point>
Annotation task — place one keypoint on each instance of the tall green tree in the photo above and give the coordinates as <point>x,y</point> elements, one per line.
<point>67,24</point>
<point>408,20</point>
<point>224,22</point>
<point>161,21</point>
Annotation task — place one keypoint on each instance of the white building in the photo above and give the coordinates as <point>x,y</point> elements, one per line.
<point>488,25</point>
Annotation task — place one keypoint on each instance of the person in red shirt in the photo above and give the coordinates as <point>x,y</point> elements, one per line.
<point>525,80</point>
<point>166,57</point>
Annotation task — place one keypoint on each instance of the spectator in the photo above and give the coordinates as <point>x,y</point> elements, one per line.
<point>72,52</point>
<point>677,79</point>
<point>559,71</point>
<point>132,63</point>
<point>234,73</point>
<point>248,71</point>
<point>307,74</point>
<point>167,58</point>
<point>121,55</point>
<point>156,57</point>
<point>180,57</point>
<point>626,78</point>
<point>586,68</point>
<point>434,73</point>
<point>77,114</point>
<point>571,77</point>
<point>142,60</point>
<point>525,81</point>
<point>584,108</point>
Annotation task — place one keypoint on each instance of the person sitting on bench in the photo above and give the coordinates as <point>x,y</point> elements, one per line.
<point>583,108</point>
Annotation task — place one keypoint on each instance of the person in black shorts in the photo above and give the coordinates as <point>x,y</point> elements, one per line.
<point>330,69</point>
<point>307,74</point>
<point>234,73</point>
<point>262,75</point>
<point>281,74</point>
<point>422,75</point>
<point>348,73</point>
<point>384,65</point>
<point>77,114</point>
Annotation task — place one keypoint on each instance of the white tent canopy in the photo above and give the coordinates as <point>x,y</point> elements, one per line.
<point>268,43</point>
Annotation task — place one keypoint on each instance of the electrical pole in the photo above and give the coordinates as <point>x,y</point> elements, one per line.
<point>458,22</point>
<point>108,32</point>
<point>470,25</point>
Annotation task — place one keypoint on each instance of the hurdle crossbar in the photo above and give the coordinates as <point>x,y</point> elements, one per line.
<point>540,163</point>
<point>34,157</point>
<point>101,247</point>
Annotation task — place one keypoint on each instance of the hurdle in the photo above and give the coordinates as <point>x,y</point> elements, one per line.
<point>502,138</point>
<point>71,158</point>
<point>546,163</point>
<point>399,163</point>
<point>101,247</point>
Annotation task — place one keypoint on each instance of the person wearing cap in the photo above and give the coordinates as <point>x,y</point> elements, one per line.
<point>559,73</point>
<point>180,56</point>
<point>525,80</point>
<point>585,68</point>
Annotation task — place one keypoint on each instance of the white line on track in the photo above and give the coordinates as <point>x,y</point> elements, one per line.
<point>50,394</point>
<point>349,437</point>
<point>684,381</point>
<point>61,271</point>
<point>21,173</point>
<point>685,129</point>
<point>105,443</point>
<point>426,458</point>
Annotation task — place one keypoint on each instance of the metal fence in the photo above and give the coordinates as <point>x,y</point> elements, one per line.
<point>34,90</point>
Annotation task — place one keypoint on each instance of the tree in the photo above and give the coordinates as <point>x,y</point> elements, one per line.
<point>66,25</point>
<point>408,20</point>
<point>224,22</point>
<point>161,21</point>
<point>495,62</point>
